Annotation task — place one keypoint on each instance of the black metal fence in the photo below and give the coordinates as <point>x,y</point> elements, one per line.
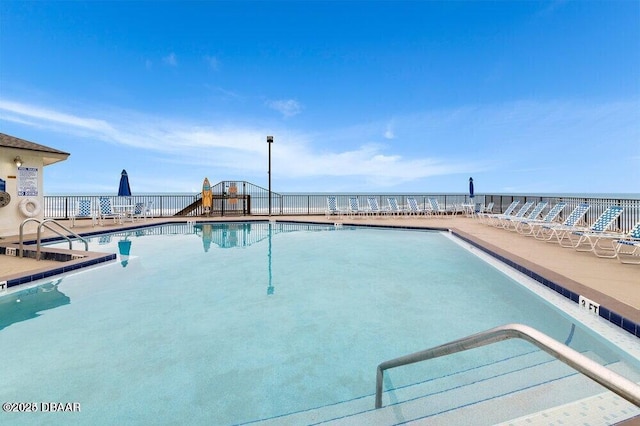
<point>234,198</point>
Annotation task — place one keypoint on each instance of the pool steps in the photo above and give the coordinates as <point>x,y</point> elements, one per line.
<point>491,394</point>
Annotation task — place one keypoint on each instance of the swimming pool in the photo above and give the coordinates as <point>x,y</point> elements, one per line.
<point>242,322</point>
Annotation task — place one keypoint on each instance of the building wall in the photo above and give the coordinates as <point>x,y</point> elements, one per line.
<point>11,216</point>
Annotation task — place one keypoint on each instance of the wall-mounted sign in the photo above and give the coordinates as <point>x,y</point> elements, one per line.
<point>27,181</point>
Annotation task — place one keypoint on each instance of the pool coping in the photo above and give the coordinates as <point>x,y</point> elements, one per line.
<point>610,309</point>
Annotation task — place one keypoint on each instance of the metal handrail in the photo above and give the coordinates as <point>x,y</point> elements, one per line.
<point>44,224</point>
<point>607,378</point>
<point>24,222</point>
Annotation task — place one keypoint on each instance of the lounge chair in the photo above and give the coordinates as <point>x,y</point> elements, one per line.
<point>486,209</point>
<point>480,210</point>
<point>393,206</point>
<point>374,207</point>
<point>627,249</point>
<point>589,239</point>
<point>489,217</point>
<point>557,231</point>
<point>414,208</point>
<point>501,221</point>
<point>106,211</point>
<point>83,210</point>
<point>547,232</point>
<point>332,207</point>
<point>513,223</point>
<point>528,227</point>
<point>354,207</point>
<point>435,207</point>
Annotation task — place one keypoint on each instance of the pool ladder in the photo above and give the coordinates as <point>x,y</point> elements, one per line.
<point>623,387</point>
<point>45,224</point>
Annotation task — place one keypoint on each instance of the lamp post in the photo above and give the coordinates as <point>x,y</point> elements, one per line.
<point>269,142</point>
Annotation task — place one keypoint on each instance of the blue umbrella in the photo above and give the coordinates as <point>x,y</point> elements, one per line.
<point>471,188</point>
<point>124,190</point>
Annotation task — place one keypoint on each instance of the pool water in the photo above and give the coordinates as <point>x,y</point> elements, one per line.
<point>240,322</point>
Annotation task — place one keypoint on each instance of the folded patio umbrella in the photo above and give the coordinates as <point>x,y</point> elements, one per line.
<point>124,190</point>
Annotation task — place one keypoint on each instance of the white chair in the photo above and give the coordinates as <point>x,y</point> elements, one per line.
<point>148,210</point>
<point>138,212</point>
<point>106,211</point>
<point>547,232</point>
<point>83,210</point>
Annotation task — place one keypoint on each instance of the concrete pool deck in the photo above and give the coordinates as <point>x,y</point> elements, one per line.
<point>605,281</point>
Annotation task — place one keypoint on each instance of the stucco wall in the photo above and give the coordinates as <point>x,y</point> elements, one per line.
<point>10,216</point>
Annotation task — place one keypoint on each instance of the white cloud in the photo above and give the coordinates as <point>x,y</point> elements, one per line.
<point>515,142</point>
<point>288,107</point>
<point>170,60</point>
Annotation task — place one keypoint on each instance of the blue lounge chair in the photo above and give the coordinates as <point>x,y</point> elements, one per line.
<point>548,231</point>
<point>593,238</point>
<point>528,227</point>
<point>574,237</point>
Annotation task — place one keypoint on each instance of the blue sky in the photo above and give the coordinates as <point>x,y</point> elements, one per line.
<point>380,96</point>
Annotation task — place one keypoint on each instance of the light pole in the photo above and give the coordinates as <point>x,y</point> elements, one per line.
<point>269,142</point>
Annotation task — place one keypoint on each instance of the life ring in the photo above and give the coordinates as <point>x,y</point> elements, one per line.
<point>30,207</point>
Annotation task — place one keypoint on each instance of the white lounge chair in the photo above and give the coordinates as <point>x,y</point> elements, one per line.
<point>589,239</point>
<point>374,207</point>
<point>414,208</point>
<point>627,249</point>
<point>489,217</point>
<point>512,224</point>
<point>528,227</point>
<point>547,232</point>
<point>503,220</point>
<point>435,207</point>
<point>332,207</point>
<point>393,206</point>
<point>354,207</point>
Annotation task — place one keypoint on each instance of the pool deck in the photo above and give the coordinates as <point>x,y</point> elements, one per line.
<point>608,282</point>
